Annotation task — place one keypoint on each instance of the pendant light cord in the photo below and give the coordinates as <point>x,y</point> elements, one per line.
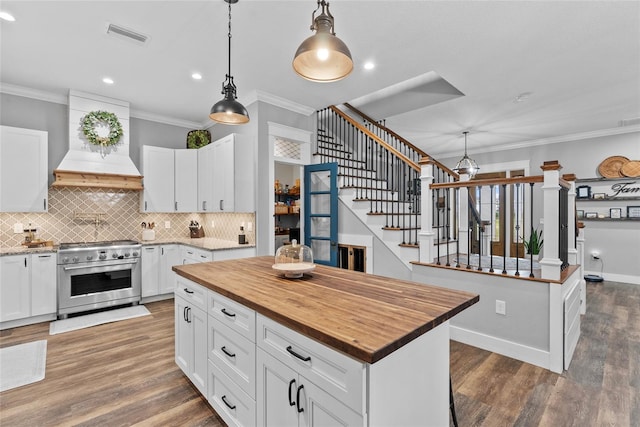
<point>229,35</point>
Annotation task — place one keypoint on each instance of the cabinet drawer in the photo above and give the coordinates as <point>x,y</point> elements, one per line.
<point>236,316</point>
<point>234,354</point>
<point>193,255</point>
<point>233,405</point>
<point>235,254</point>
<point>337,374</point>
<point>191,292</point>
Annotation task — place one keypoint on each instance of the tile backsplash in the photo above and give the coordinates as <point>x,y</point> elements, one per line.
<point>120,218</point>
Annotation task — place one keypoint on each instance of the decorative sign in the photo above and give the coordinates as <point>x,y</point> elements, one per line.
<point>625,189</point>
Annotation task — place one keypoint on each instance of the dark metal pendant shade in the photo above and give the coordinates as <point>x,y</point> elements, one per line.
<point>323,57</point>
<point>228,111</point>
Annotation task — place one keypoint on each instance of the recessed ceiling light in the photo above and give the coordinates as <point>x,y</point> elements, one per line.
<point>7,16</point>
<point>196,76</point>
<point>369,65</point>
<point>108,80</point>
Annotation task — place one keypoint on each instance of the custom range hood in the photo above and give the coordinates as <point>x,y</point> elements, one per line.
<point>88,165</point>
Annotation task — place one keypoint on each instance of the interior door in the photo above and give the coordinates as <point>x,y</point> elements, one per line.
<point>321,212</point>
<point>516,232</point>
<point>493,210</point>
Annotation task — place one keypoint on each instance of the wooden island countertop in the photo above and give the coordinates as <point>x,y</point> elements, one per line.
<point>363,315</point>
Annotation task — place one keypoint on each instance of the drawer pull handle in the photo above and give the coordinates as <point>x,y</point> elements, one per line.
<point>225,351</point>
<point>225,312</point>
<point>299,356</point>
<point>291,402</point>
<point>224,399</point>
<point>188,291</point>
<point>298,407</point>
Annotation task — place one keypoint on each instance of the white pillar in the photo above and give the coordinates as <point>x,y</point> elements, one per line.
<point>551,262</point>
<point>426,234</point>
<point>571,223</point>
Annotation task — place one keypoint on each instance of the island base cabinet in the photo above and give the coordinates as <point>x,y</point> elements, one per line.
<point>230,402</point>
<point>288,399</point>
<point>191,342</point>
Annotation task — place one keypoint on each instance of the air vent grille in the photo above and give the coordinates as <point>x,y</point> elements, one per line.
<point>629,122</point>
<point>126,33</point>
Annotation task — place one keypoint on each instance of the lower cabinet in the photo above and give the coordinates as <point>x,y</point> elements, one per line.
<point>191,336</point>
<point>27,286</point>
<point>157,276</point>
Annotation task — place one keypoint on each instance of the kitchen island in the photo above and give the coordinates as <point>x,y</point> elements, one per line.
<point>335,346</point>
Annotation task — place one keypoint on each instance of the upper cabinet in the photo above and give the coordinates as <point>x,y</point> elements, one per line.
<point>170,180</point>
<point>216,178</point>
<point>23,170</point>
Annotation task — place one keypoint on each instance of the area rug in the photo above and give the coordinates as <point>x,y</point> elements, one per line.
<point>80,322</point>
<point>22,364</point>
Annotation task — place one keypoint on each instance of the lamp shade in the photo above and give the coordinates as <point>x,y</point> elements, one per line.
<point>467,166</point>
<point>323,57</point>
<point>228,111</point>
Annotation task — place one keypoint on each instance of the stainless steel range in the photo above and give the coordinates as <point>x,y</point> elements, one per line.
<point>98,274</point>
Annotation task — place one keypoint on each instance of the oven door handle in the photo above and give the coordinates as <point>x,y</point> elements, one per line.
<point>83,267</point>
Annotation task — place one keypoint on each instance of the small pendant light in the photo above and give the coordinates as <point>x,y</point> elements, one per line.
<point>466,165</point>
<point>228,111</point>
<point>323,57</point>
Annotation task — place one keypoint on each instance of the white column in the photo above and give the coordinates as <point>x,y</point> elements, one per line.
<point>571,223</point>
<point>551,263</point>
<point>583,283</point>
<point>463,224</point>
<point>426,235</point>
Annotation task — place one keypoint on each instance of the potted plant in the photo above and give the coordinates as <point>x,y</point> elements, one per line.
<point>534,244</point>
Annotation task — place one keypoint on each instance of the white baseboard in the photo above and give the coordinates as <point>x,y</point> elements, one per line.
<point>516,351</point>
<point>622,278</point>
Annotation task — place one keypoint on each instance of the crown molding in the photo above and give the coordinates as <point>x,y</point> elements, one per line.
<point>143,115</point>
<point>278,101</point>
<point>27,92</point>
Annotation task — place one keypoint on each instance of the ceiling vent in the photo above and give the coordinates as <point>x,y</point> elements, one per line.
<point>126,34</point>
<point>629,122</point>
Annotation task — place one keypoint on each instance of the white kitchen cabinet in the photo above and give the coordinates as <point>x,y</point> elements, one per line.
<point>286,398</point>
<point>233,174</point>
<point>206,184</point>
<point>43,284</point>
<point>150,270</point>
<point>170,180</point>
<point>15,287</point>
<point>170,255</point>
<point>226,254</point>
<point>27,286</point>
<point>186,180</point>
<point>23,170</point>
<point>158,167</point>
<point>191,333</point>
<point>191,255</point>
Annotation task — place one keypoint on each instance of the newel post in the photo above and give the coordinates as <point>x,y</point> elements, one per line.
<point>551,263</point>
<point>571,219</point>
<point>426,235</point>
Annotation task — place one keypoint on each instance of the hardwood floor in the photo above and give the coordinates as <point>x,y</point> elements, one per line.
<point>123,374</point>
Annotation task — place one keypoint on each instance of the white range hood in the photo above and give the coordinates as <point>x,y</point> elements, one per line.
<point>87,165</point>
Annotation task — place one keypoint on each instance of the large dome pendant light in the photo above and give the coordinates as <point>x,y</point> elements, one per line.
<point>323,57</point>
<point>466,165</point>
<point>228,111</point>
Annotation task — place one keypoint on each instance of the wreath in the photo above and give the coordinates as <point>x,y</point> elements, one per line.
<point>198,138</point>
<point>91,120</point>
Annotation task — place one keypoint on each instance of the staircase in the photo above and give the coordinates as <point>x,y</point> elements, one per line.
<point>379,177</point>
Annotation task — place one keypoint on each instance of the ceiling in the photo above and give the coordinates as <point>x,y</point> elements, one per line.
<point>442,67</point>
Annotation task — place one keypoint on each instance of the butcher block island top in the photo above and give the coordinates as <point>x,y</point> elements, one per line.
<point>363,315</point>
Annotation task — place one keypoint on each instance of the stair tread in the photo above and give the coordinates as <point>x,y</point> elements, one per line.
<point>391,213</point>
<point>400,228</point>
<point>409,245</point>
<point>367,188</point>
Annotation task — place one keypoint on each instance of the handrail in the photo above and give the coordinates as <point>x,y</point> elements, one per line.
<point>491,181</point>
<point>401,139</point>
<point>377,139</point>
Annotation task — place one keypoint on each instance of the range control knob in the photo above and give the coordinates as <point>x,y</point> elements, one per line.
<point>89,257</point>
<point>135,254</point>
<point>126,254</point>
<point>65,259</point>
<point>114,255</point>
<point>103,256</point>
<point>75,259</point>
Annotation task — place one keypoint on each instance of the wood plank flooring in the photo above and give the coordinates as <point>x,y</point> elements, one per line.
<point>123,374</point>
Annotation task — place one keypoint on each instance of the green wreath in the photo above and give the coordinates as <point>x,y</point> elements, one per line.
<point>198,138</point>
<point>91,120</point>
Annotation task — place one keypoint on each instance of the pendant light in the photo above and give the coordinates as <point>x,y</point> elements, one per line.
<point>228,111</point>
<point>466,165</point>
<point>323,57</point>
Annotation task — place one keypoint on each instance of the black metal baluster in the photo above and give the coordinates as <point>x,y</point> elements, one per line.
<point>517,229</point>
<point>531,216</point>
<point>480,227</point>
<point>492,215</point>
<point>503,229</point>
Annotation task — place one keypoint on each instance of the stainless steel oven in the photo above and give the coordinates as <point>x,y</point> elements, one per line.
<point>98,275</point>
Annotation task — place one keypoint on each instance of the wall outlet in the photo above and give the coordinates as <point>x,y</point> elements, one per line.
<point>501,307</point>
<point>249,226</point>
<point>18,228</point>
<point>213,224</point>
<point>167,224</point>
<point>595,255</point>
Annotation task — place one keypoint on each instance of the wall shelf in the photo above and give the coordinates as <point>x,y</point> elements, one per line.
<point>608,199</point>
<point>609,219</point>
